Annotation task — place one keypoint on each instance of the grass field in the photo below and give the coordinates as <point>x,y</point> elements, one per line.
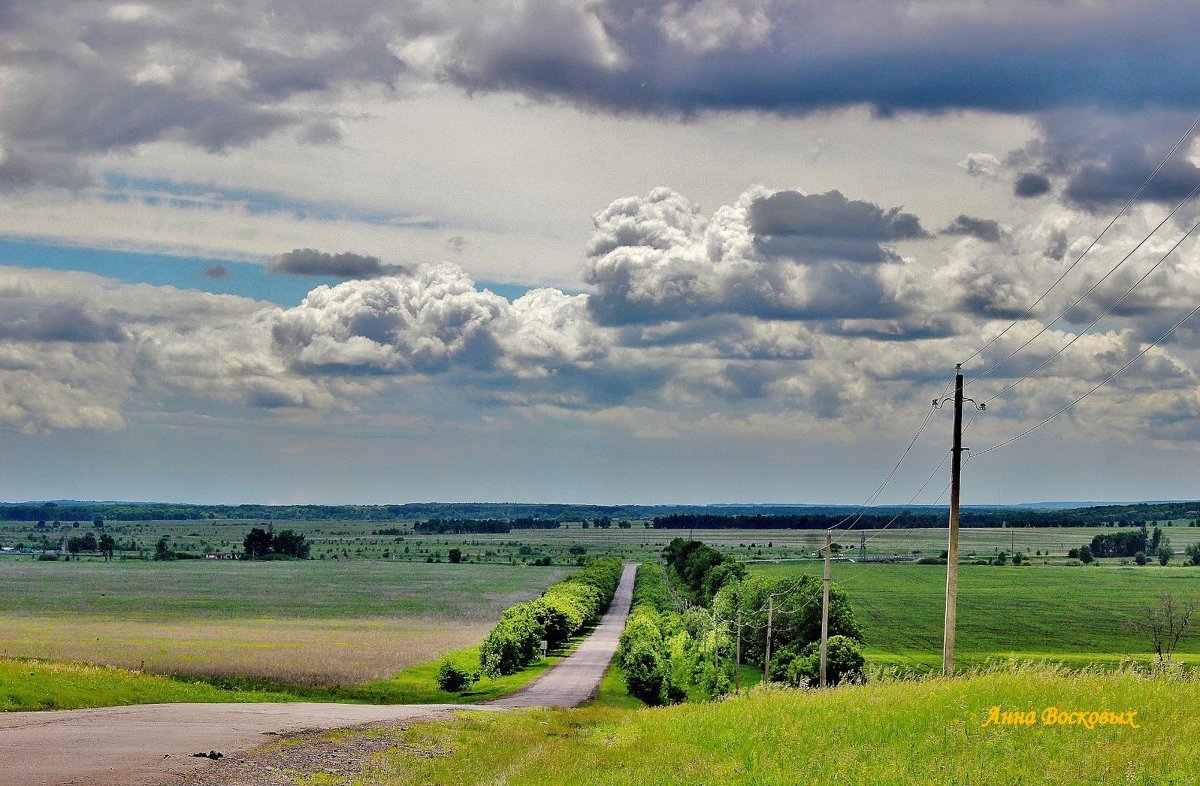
<point>394,541</point>
<point>907,732</point>
<point>308,623</point>
<point>1075,615</point>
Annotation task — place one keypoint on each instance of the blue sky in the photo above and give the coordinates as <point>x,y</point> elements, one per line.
<point>620,251</point>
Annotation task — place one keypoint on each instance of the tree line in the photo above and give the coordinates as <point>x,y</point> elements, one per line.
<point>682,643</point>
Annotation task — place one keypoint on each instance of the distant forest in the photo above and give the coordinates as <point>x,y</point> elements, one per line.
<point>434,517</point>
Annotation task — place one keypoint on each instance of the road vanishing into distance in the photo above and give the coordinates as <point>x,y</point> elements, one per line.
<point>153,744</point>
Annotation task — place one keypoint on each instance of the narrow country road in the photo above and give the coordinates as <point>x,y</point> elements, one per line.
<point>152,744</point>
<point>577,677</point>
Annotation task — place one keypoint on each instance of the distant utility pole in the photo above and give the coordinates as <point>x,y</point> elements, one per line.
<point>825,606</point>
<point>952,548</point>
<point>770,619</point>
<point>737,670</point>
<point>862,543</point>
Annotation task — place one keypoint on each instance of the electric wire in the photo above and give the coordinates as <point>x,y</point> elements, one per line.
<point>1093,287</point>
<point>1080,334</point>
<point>1090,246</point>
<point>1092,390</point>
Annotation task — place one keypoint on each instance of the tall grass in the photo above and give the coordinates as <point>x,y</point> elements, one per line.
<point>927,731</point>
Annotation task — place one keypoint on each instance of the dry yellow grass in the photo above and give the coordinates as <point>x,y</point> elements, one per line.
<point>299,652</point>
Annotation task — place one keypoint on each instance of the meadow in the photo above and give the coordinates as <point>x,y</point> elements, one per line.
<point>927,731</point>
<point>1074,615</point>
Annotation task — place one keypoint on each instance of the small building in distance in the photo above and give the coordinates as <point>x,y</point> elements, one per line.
<point>223,555</point>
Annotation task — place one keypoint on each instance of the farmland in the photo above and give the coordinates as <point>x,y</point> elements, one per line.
<point>1076,615</point>
<point>296,622</point>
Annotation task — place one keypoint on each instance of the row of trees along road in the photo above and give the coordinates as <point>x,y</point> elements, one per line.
<point>690,621</point>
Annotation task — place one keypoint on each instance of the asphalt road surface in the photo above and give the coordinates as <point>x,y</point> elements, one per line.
<point>152,744</point>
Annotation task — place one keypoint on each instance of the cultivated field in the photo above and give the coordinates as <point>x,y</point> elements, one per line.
<point>1076,615</point>
<point>298,622</point>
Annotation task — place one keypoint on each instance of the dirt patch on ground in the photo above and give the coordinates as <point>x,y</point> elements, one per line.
<point>293,756</point>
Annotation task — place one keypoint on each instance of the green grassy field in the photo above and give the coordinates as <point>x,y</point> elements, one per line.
<point>394,540</point>
<point>893,732</point>
<point>1074,615</point>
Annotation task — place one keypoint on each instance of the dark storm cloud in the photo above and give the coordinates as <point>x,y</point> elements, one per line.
<point>215,271</point>
<point>1105,158</point>
<point>310,262</point>
<point>86,78</point>
<point>794,57</point>
<point>829,226</point>
<point>984,229</point>
<point>1031,184</point>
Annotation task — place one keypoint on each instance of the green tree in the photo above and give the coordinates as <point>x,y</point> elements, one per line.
<point>257,543</point>
<point>1193,554</point>
<point>455,555</point>
<point>162,550</point>
<point>107,544</point>
<point>1165,552</point>
<point>1085,555</point>
<point>1140,558</point>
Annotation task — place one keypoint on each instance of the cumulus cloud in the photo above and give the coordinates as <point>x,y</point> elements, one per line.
<point>984,229</point>
<point>310,262</point>
<point>774,255</point>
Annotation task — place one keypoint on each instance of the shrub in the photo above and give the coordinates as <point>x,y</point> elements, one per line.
<point>644,657</point>
<point>1085,555</point>
<point>1192,553</point>
<point>1140,558</point>
<point>453,678</point>
<point>843,663</point>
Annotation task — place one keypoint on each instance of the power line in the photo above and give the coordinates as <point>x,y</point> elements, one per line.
<point>1107,311</point>
<point>860,511</point>
<point>1091,245</point>
<point>1099,385</point>
<point>1093,287</point>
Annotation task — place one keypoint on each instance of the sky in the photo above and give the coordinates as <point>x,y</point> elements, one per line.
<point>616,251</point>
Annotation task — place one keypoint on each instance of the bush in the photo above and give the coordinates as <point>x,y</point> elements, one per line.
<point>1085,555</point>
<point>645,659</point>
<point>843,664</point>
<point>1192,553</point>
<point>1140,558</point>
<point>453,678</point>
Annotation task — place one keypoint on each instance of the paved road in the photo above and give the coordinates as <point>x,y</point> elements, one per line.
<point>578,676</point>
<point>152,744</point>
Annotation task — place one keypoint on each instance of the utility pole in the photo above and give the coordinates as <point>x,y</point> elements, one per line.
<point>737,671</point>
<point>862,543</point>
<point>952,548</point>
<point>767,658</point>
<point>716,647</point>
<point>825,606</point>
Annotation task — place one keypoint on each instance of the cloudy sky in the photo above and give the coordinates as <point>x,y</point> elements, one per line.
<point>607,251</point>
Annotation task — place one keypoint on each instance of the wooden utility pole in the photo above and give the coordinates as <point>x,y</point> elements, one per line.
<point>716,646</point>
<point>952,547</point>
<point>737,670</point>
<point>770,619</point>
<point>825,606</point>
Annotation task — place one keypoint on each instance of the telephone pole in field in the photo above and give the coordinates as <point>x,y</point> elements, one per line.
<point>955,494</point>
<point>825,606</point>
